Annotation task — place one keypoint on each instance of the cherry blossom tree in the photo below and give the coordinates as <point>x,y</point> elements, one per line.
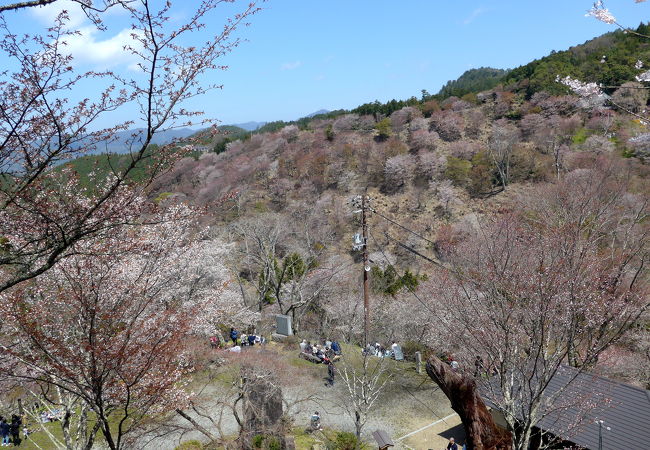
<point>364,379</point>
<point>557,282</point>
<point>108,327</point>
<point>44,212</point>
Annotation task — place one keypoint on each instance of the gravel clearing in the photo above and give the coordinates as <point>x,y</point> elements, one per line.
<point>410,401</point>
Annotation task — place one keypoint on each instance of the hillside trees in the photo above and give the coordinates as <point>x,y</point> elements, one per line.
<point>284,262</point>
<point>557,280</point>
<point>43,213</point>
<point>629,96</point>
<point>501,146</point>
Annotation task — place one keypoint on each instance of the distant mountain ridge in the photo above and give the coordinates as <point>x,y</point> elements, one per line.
<point>249,126</point>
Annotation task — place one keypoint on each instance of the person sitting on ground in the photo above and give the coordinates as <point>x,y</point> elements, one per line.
<point>251,339</point>
<point>259,340</point>
<point>308,348</point>
<point>213,342</point>
<point>303,345</point>
<point>328,343</point>
<point>452,445</point>
<point>336,347</point>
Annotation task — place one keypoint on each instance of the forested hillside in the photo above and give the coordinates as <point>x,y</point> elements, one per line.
<point>608,59</point>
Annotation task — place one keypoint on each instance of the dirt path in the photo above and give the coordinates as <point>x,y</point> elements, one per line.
<point>410,402</point>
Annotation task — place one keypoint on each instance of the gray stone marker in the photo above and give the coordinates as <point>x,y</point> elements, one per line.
<point>283,325</point>
<point>399,355</point>
<point>418,362</point>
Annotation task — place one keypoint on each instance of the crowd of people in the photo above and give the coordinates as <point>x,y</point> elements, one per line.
<point>394,351</point>
<point>238,339</point>
<point>325,352</point>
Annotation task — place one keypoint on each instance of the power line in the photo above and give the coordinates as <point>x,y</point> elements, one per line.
<point>402,226</point>
<point>411,249</point>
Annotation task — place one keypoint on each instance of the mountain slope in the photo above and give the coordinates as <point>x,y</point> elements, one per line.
<point>472,81</point>
<point>608,59</point>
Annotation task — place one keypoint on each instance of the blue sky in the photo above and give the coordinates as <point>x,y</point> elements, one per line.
<point>304,55</point>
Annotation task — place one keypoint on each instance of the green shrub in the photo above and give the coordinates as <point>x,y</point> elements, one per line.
<point>190,445</point>
<point>389,282</point>
<point>266,442</point>
<point>257,441</point>
<point>344,441</point>
<point>580,136</point>
<point>458,170</point>
<point>410,347</point>
<point>384,128</point>
<point>329,133</point>
<point>274,444</point>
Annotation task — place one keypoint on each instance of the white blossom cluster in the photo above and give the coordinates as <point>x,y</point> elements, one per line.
<point>638,65</point>
<point>580,87</point>
<point>601,13</point>
<point>644,77</point>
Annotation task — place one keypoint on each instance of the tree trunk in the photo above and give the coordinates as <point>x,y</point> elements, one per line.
<point>482,433</point>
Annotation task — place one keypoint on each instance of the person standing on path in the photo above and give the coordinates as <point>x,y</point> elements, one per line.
<point>452,445</point>
<point>14,429</point>
<point>331,372</point>
<point>4,431</point>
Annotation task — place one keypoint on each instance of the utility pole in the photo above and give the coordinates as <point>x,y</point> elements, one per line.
<point>366,269</point>
<point>600,433</point>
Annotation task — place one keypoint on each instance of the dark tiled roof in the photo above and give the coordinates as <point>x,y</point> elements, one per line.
<point>622,407</point>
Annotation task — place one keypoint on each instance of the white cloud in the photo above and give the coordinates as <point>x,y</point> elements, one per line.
<point>48,14</point>
<point>291,65</point>
<point>477,12</point>
<point>91,46</point>
<point>86,48</point>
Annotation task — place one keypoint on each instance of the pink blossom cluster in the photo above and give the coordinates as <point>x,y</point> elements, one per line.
<point>601,13</point>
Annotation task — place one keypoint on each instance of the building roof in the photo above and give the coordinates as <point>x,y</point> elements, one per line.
<point>382,439</point>
<point>625,409</point>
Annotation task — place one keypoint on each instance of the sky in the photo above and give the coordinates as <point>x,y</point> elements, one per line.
<point>301,56</point>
